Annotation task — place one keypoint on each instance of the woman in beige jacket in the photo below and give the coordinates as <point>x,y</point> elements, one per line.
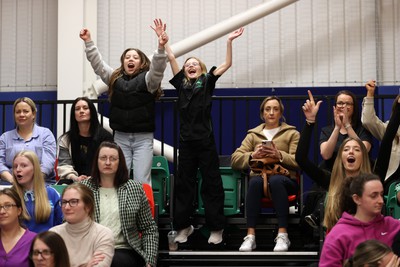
<point>284,139</point>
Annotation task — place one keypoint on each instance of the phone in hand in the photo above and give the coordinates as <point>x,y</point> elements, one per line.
<point>267,143</point>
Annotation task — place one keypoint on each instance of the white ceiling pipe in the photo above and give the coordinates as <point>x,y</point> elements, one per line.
<point>214,32</point>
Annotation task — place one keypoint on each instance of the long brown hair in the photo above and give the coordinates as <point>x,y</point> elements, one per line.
<point>144,66</point>
<point>332,209</point>
<point>122,175</point>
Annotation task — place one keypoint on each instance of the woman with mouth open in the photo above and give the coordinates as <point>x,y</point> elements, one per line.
<point>352,159</point>
<point>360,202</point>
<point>132,90</point>
<point>41,203</point>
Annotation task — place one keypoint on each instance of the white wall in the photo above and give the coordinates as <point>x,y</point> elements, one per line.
<point>309,43</point>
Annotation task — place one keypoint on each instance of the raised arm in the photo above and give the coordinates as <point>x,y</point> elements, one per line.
<point>310,110</point>
<point>369,120</point>
<point>382,161</point>
<point>84,34</point>
<point>228,60</point>
<point>159,28</point>
<point>93,55</point>
<point>158,62</point>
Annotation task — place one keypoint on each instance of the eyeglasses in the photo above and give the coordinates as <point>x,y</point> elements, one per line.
<point>44,253</point>
<point>194,64</point>
<point>342,104</point>
<point>7,207</point>
<point>111,158</point>
<point>73,202</point>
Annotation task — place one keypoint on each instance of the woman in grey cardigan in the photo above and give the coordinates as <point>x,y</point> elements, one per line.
<point>76,148</point>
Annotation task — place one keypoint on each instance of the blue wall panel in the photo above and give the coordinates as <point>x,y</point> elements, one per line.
<point>234,111</point>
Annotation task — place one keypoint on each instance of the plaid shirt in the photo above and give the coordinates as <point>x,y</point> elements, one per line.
<point>136,219</point>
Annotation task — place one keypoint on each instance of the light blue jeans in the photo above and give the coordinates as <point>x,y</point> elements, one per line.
<point>138,150</point>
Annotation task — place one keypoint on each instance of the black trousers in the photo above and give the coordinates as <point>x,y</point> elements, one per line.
<point>127,258</point>
<point>280,187</point>
<point>194,155</point>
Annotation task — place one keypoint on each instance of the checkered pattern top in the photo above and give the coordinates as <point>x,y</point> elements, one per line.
<point>137,223</point>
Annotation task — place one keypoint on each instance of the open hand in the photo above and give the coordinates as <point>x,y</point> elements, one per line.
<point>159,27</point>
<point>235,34</point>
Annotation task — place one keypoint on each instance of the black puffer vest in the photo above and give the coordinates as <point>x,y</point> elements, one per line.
<point>132,106</point>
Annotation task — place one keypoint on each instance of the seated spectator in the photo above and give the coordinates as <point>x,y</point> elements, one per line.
<point>27,136</point>
<point>15,239</point>
<point>378,128</point>
<point>76,148</point>
<point>88,243</point>
<point>347,123</point>
<point>361,201</point>
<point>351,160</point>
<point>41,203</point>
<point>48,250</point>
<point>284,139</point>
<point>122,206</point>
<point>372,253</point>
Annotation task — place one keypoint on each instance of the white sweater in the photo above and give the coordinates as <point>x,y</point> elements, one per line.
<point>83,239</point>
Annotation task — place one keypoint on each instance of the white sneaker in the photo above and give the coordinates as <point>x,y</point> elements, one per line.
<point>215,237</point>
<point>248,244</point>
<point>183,234</point>
<point>282,243</point>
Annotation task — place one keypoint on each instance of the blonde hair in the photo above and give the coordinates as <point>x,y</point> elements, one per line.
<point>332,208</point>
<point>42,205</point>
<point>202,66</point>
<point>28,101</point>
<point>368,253</point>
